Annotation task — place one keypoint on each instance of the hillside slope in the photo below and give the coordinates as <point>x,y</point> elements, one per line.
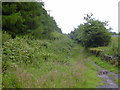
<point>46,64</point>
<point>35,53</point>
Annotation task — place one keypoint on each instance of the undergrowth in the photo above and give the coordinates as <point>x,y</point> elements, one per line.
<point>112,48</point>
<point>56,63</point>
<point>102,63</point>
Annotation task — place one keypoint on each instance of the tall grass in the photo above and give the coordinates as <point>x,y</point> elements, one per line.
<point>103,64</point>
<point>57,63</point>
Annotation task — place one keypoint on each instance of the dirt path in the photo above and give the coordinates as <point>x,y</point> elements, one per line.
<point>108,79</point>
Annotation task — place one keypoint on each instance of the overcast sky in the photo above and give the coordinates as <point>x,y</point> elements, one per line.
<point>68,14</point>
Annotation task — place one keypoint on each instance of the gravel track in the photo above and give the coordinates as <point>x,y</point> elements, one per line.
<point>108,79</point>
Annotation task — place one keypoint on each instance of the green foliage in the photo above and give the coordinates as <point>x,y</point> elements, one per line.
<point>103,64</point>
<point>112,48</point>
<point>93,33</point>
<point>20,18</point>
<point>34,52</point>
<point>23,51</point>
<point>5,37</point>
<point>108,53</point>
<point>58,36</point>
<point>27,52</point>
<point>10,81</point>
<point>57,71</point>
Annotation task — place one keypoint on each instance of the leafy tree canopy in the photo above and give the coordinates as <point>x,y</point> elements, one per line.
<point>92,33</point>
<point>20,18</point>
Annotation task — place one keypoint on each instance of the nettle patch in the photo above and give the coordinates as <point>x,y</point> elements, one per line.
<point>24,51</point>
<point>27,51</point>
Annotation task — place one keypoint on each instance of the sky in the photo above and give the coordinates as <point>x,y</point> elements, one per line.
<point>68,14</point>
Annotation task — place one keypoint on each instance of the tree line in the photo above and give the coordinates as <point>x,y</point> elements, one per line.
<point>92,33</point>
<point>30,18</point>
<point>21,18</point>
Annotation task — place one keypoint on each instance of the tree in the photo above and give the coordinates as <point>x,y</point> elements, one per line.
<point>21,18</point>
<point>93,33</point>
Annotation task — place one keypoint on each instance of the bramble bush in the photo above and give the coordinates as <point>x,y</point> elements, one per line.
<point>35,52</point>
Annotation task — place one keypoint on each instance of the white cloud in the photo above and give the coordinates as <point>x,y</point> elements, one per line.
<point>69,13</point>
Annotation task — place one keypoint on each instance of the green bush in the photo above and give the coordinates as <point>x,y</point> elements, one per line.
<point>5,36</point>
<point>23,52</point>
<point>19,51</point>
<point>21,18</point>
<point>92,33</point>
<point>34,52</point>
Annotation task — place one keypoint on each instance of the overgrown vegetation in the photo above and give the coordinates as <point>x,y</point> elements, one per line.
<point>92,33</point>
<point>109,53</point>
<point>112,48</point>
<point>45,63</point>
<point>35,53</point>
<point>23,18</point>
<point>96,38</point>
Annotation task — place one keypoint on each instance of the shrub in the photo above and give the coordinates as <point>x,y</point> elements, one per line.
<point>5,36</point>
<point>19,51</point>
<point>93,33</point>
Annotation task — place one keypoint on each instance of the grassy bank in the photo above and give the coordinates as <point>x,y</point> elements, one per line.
<point>57,63</point>
<point>108,53</point>
<point>112,48</point>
